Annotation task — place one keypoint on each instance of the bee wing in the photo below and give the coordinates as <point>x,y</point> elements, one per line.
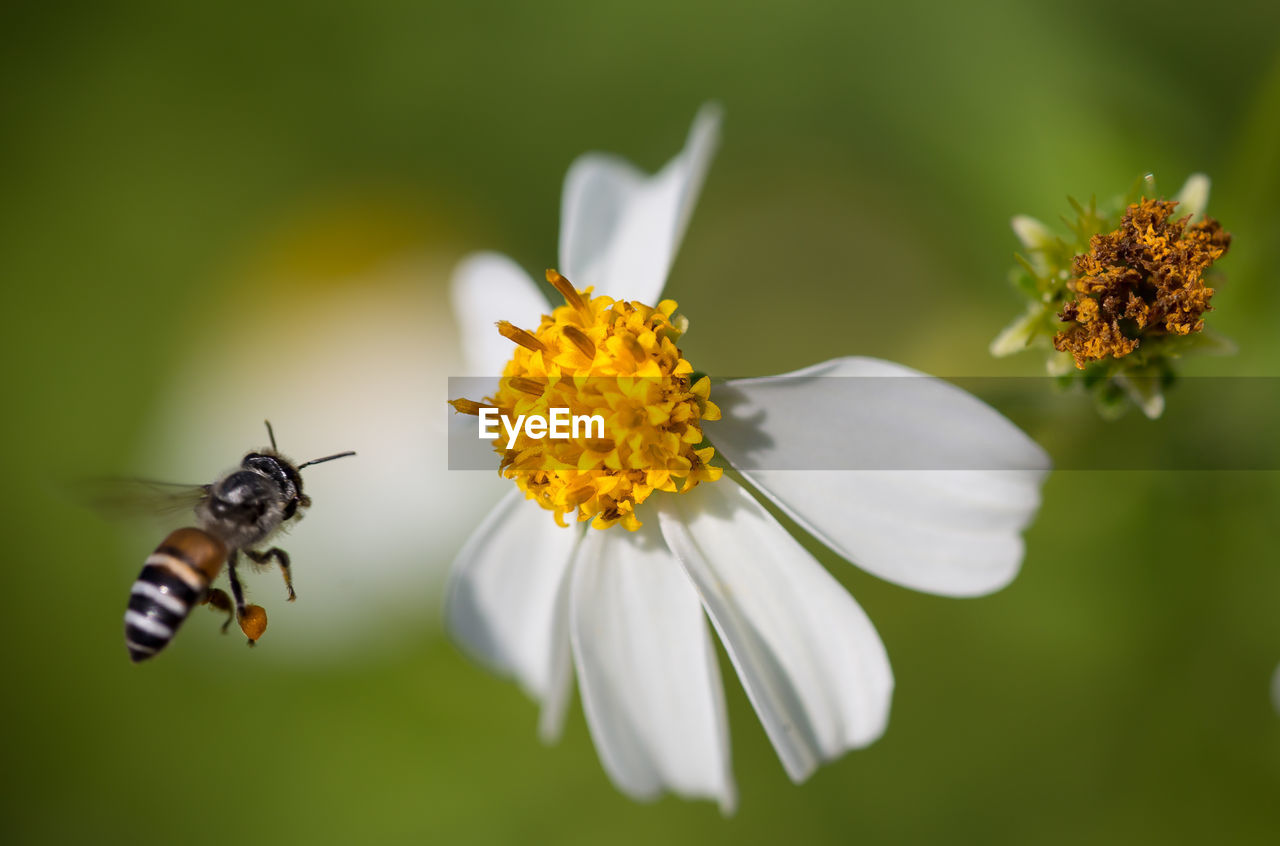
<point>128,498</point>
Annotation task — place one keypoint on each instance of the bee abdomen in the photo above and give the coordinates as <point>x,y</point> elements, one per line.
<point>173,581</point>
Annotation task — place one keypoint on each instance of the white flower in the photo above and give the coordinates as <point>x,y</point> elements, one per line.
<point>627,611</point>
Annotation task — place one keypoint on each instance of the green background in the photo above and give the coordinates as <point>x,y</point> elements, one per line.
<point>1118,691</point>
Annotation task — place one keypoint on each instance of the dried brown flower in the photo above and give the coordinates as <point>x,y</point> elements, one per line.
<point>1146,278</point>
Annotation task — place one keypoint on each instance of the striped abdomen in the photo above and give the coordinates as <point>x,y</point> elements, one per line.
<point>174,580</point>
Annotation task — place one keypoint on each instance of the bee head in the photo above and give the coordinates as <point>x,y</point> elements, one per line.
<point>281,471</point>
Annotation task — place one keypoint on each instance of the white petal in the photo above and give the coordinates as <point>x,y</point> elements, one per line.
<point>1035,238</point>
<point>810,660</point>
<point>1019,334</point>
<point>1147,392</point>
<point>1194,196</point>
<point>488,287</point>
<point>620,229</point>
<point>955,483</point>
<point>1059,364</point>
<point>1033,234</point>
<point>508,600</point>
<point>647,669</point>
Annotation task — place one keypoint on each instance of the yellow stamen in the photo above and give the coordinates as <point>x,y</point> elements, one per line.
<point>618,360</point>
<point>566,289</point>
<point>579,340</point>
<point>633,347</point>
<point>514,333</point>
<point>529,386</point>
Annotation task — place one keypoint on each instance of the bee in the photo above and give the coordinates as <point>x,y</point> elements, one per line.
<point>238,513</point>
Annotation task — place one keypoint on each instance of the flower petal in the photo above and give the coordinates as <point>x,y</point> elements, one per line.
<point>508,601</point>
<point>647,669</point>
<point>1193,196</point>
<point>1033,234</point>
<point>1019,334</point>
<point>620,229</point>
<point>948,522</point>
<point>810,660</point>
<point>1147,392</point>
<point>488,287</point>
<point>1035,238</point>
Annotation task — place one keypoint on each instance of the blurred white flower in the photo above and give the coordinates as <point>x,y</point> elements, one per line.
<point>625,610</point>
<point>351,361</point>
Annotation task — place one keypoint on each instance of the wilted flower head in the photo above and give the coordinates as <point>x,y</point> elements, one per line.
<point>1121,296</point>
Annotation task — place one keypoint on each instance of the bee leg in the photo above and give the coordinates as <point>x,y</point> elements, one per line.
<point>236,590</point>
<point>282,558</point>
<point>252,618</point>
<point>219,601</point>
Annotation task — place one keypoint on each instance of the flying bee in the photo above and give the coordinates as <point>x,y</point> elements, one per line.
<point>238,513</point>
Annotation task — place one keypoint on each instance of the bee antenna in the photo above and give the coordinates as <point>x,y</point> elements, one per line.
<point>271,434</point>
<point>326,458</point>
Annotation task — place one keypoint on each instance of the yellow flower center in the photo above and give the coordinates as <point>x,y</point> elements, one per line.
<point>618,360</point>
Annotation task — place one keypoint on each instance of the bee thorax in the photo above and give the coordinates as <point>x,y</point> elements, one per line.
<point>243,508</point>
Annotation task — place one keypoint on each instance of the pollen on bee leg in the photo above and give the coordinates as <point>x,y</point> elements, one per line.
<point>253,622</point>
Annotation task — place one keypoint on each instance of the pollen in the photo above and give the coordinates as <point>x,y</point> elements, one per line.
<point>619,360</point>
<point>1144,279</point>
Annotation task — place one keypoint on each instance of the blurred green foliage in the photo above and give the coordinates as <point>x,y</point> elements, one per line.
<point>873,153</point>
